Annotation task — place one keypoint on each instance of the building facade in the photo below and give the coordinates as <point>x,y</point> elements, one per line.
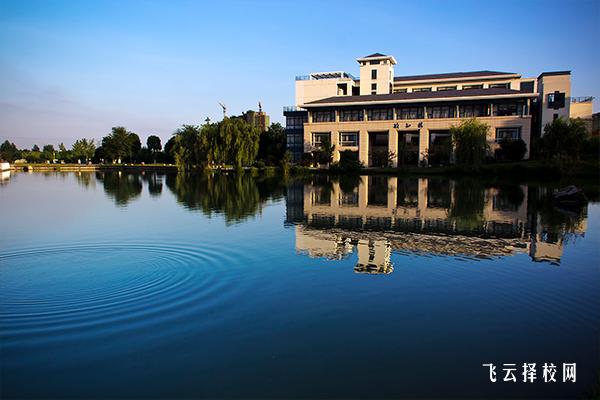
<point>409,117</point>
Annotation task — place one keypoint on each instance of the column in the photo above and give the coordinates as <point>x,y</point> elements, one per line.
<point>423,145</point>
<point>335,141</point>
<point>393,146</point>
<point>363,147</point>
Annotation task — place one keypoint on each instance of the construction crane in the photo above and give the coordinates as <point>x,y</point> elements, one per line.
<point>224,109</point>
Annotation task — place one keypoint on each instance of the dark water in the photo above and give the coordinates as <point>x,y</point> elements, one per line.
<point>165,286</point>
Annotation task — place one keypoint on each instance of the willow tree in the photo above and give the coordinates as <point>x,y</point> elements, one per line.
<point>470,141</point>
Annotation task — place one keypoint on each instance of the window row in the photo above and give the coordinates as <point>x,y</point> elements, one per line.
<point>404,113</point>
<point>295,122</point>
<point>504,85</point>
<point>346,139</point>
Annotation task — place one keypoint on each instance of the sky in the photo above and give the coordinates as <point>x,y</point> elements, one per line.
<point>73,69</point>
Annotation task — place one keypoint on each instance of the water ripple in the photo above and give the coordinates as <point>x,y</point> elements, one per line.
<point>53,292</point>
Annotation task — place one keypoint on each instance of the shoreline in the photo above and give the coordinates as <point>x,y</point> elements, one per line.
<point>518,170</point>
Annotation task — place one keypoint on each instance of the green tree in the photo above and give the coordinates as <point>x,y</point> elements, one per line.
<point>153,143</point>
<point>272,144</point>
<point>470,142</point>
<point>188,149</point>
<point>563,139</point>
<point>120,144</point>
<point>84,149</point>
<point>48,152</point>
<point>35,148</point>
<point>9,151</point>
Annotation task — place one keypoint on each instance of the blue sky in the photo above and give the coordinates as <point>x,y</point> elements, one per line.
<point>71,69</point>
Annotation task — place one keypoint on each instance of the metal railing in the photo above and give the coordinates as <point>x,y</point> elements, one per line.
<point>325,75</point>
<point>292,108</point>
<point>582,99</point>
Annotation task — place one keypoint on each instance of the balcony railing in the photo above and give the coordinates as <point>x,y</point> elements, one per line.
<point>325,75</point>
<point>292,108</point>
<point>582,99</point>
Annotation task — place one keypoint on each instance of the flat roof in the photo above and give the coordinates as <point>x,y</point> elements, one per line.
<point>551,73</point>
<point>446,95</point>
<point>451,75</point>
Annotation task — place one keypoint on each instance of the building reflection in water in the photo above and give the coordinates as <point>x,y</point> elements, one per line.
<point>375,215</point>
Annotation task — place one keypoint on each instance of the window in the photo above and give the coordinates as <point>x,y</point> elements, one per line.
<point>441,112</point>
<point>295,140</point>
<point>323,116</point>
<point>556,100</point>
<point>403,90</point>
<point>527,86</point>
<point>500,85</point>
<point>375,62</point>
<point>410,113</point>
<point>318,139</point>
<point>444,88</point>
<point>422,89</point>
<point>473,110</point>
<point>348,138</point>
<point>373,74</point>
<point>478,86</point>
<point>508,133</point>
<point>295,122</point>
<point>379,114</point>
<point>351,115</point>
<point>507,109</point>
<point>555,117</point>
<point>342,89</point>
<point>373,88</point>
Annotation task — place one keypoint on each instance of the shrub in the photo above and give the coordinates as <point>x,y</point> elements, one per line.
<point>563,139</point>
<point>513,150</point>
<point>592,148</point>
<point>382,159</point>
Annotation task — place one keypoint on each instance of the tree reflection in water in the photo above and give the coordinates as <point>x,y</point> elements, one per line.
<point>235,196</point>
<point>121,186</point>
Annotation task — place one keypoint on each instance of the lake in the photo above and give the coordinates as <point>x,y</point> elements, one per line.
<point>149,285</point>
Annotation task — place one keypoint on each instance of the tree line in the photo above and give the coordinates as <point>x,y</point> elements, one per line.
<point>231,142</point>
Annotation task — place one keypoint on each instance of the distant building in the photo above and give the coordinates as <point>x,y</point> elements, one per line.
<point>258,119</point>
<point>412,115</point>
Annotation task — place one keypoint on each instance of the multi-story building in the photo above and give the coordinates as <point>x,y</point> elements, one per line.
<point>259,119</point>
<point>410,117</point>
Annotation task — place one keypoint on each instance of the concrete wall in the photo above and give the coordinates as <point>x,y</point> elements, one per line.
<point>583,110</point>
<point>549,84</point>
<point>385,77</point>
<point>317,89</point>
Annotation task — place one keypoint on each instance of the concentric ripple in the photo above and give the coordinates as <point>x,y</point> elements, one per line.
<point>49,294</point>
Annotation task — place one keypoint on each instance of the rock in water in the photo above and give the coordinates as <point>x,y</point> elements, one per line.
<point>570,195</point>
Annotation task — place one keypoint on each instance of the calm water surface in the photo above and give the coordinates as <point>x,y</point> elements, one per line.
<point>148,285</point>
